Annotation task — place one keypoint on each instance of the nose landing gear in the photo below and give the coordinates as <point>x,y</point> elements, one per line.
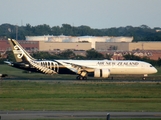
<point>145,75</point>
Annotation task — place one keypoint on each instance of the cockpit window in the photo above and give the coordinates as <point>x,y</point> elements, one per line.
<point>151,66</point>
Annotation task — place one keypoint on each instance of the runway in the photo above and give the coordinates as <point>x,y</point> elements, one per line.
<point>27,115</point>
<point>88,80</point>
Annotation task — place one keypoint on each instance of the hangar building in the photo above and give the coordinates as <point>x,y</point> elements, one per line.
<point>80,39</point>
<point>128,46</point>
<point>50,46</point>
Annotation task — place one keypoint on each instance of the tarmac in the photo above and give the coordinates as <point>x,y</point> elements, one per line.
<point>27,115</point>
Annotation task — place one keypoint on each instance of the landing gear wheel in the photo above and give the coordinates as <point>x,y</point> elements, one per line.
<point>85,78</point>
<point>78,77</point>
<point>143,78</point>
<point>81,78</point>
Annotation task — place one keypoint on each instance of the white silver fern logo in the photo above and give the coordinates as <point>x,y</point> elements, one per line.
<point>17,50</point>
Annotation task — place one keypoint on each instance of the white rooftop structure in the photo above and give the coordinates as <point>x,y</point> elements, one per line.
<point>91,39</point>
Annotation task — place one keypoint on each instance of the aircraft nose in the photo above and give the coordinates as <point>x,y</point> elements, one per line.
<point>155,70</point>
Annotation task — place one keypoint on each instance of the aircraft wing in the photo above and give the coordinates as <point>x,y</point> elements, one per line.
<point>76,67</point>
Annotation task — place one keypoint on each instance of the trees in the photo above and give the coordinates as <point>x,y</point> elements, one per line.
<point>131,57</point>
<point>42,30</point>
<point>67,54</point>
<point>141,33</point>
<point>93,54</point>
<point>159,62</point>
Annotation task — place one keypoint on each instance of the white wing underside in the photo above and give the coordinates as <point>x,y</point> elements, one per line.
<point>76,68</point>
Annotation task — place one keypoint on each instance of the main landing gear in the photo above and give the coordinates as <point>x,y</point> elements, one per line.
<point>81,77</point>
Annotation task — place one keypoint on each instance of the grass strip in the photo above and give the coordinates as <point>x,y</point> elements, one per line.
<point>85,96</point>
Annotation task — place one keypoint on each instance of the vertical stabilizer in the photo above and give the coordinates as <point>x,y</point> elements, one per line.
<point>19,53</point>
<point>23,56</point>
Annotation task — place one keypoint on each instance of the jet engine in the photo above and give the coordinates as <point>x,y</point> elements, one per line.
<point>105,72</point>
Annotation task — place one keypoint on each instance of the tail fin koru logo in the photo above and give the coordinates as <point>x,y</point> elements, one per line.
<point>17,50</point>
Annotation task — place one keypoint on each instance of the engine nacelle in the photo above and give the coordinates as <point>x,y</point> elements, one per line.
<point>105,72</point>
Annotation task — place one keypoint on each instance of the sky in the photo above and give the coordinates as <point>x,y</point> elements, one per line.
<point>93,13</point>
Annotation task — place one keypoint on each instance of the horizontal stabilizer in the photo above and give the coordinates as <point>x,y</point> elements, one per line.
<point>7,62</point>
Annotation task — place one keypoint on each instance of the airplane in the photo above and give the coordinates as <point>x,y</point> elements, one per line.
<point>81,68</point>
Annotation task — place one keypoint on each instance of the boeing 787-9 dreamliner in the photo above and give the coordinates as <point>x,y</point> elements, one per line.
<point>98,68</point>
